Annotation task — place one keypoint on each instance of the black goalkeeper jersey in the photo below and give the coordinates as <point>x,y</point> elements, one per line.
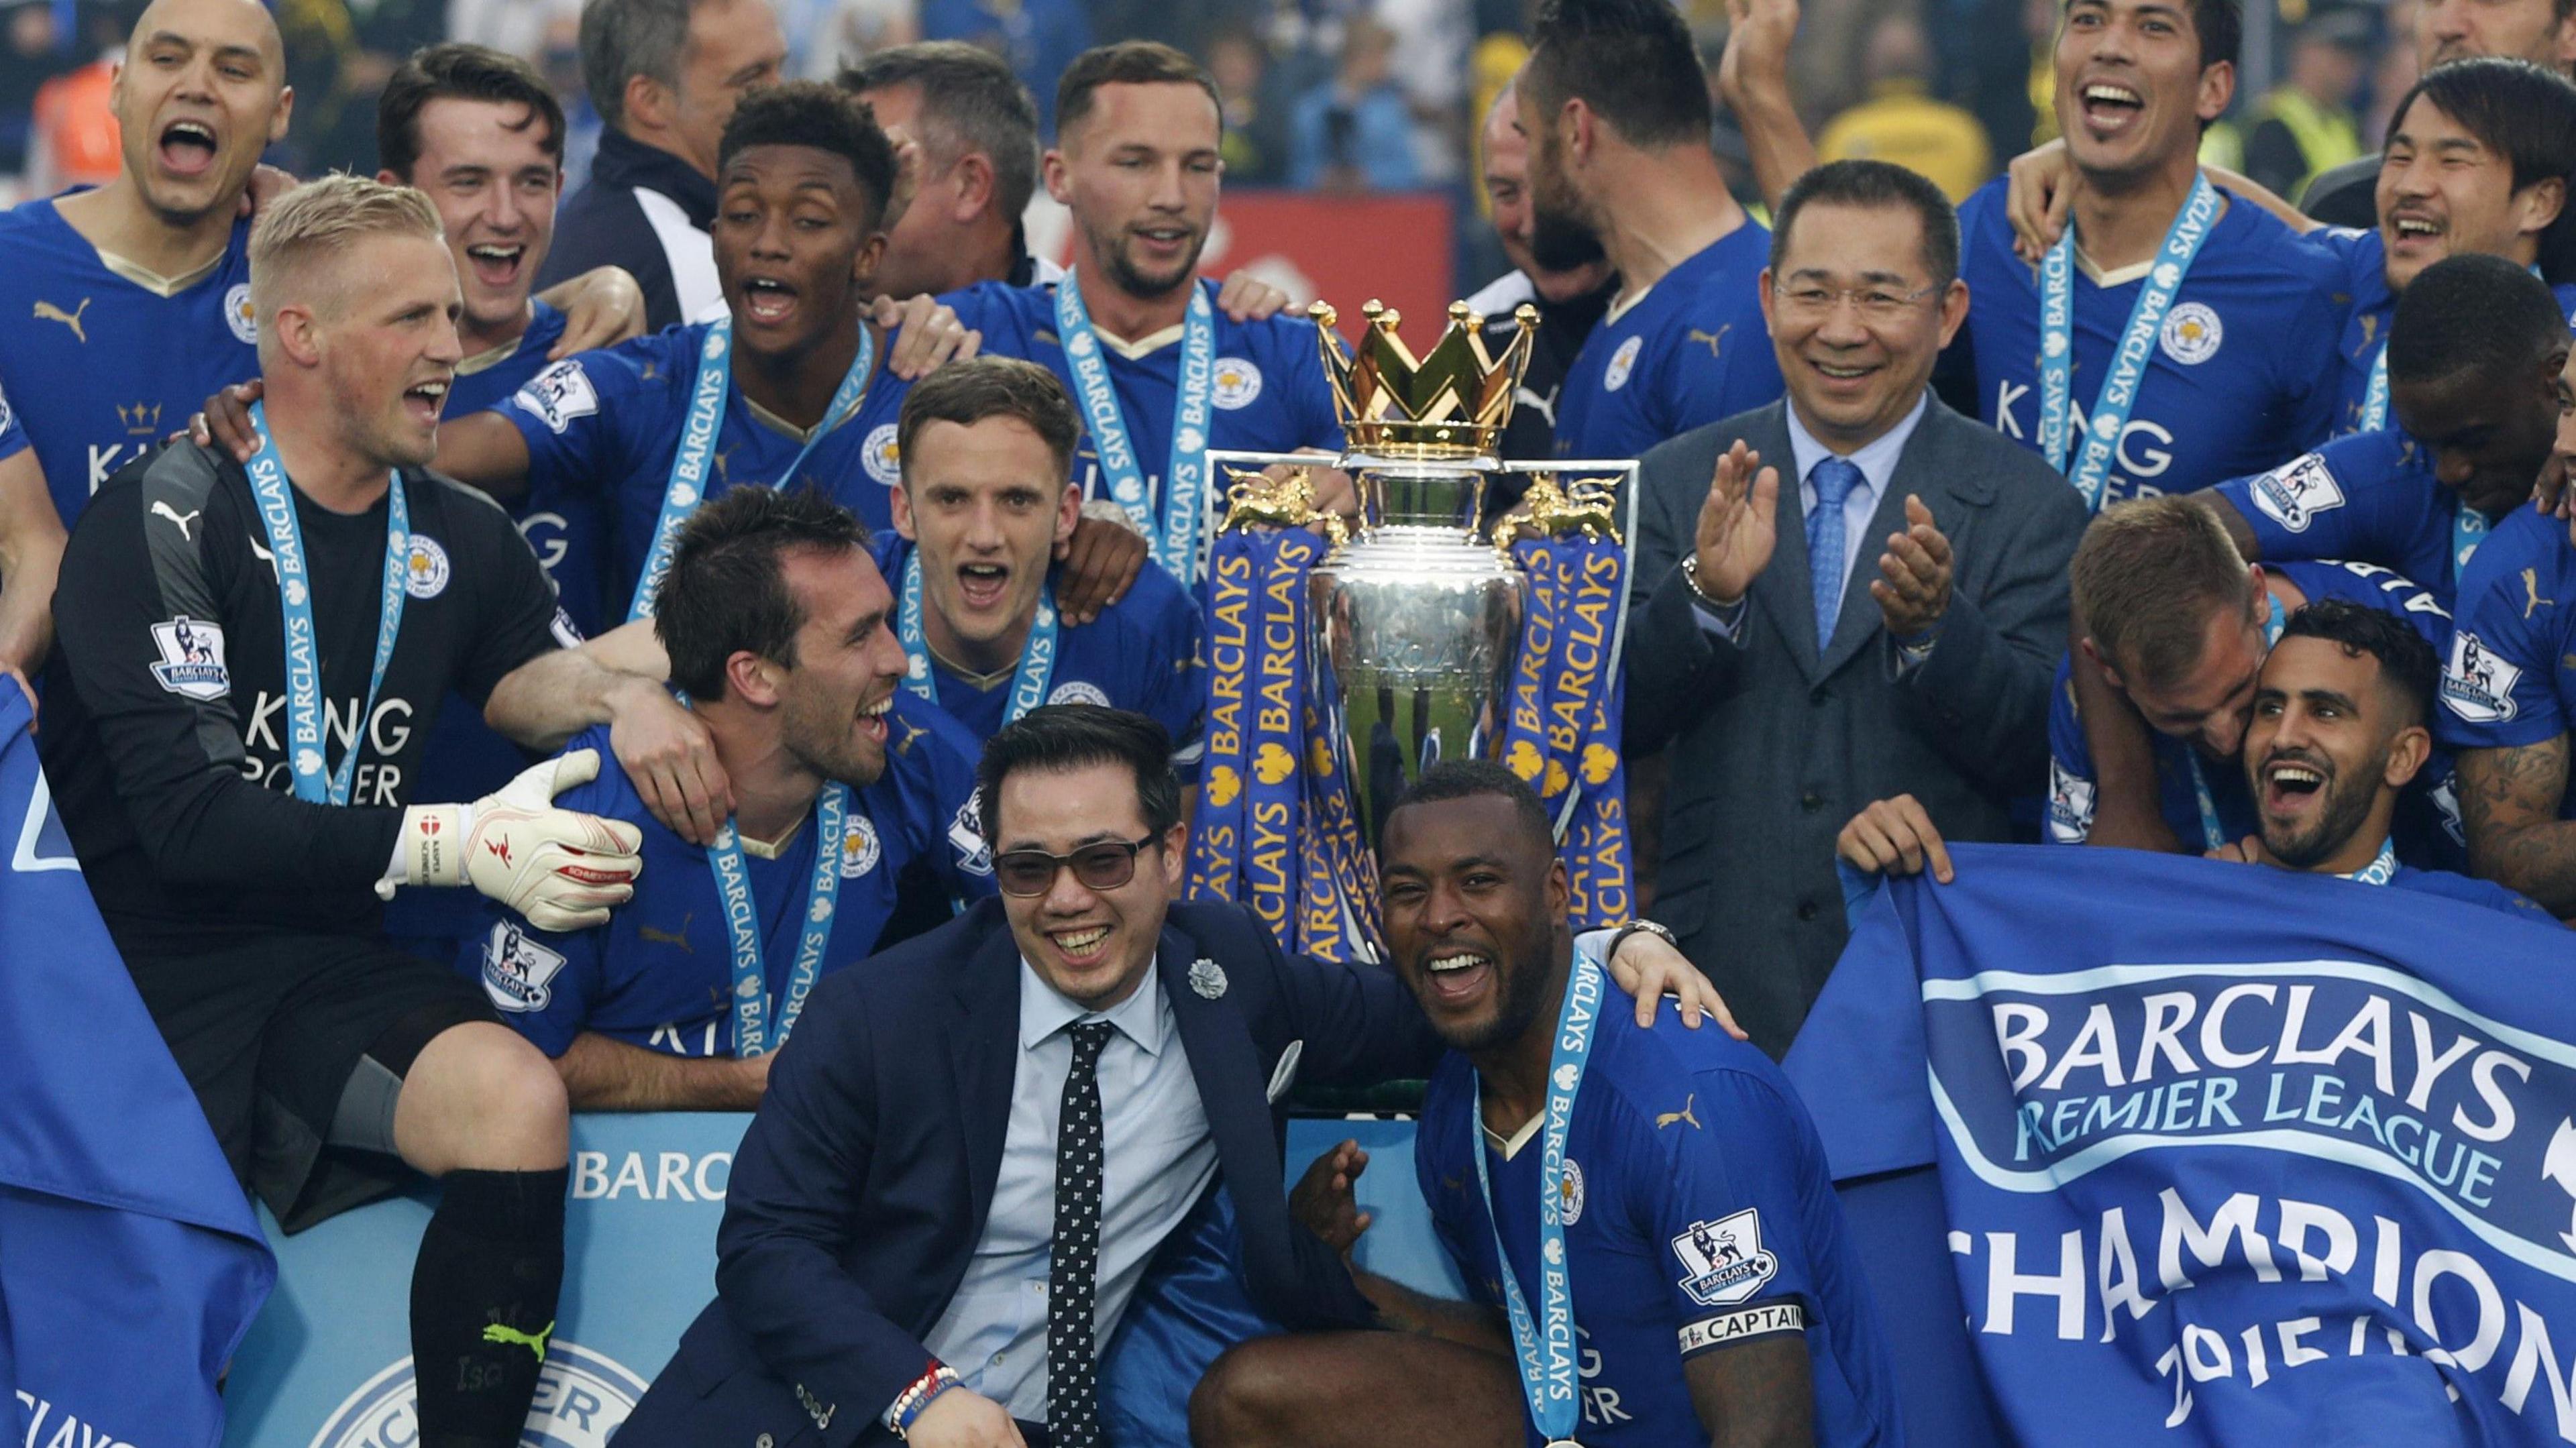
<point>164,729</point>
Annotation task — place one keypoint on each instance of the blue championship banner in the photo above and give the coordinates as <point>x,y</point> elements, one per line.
<point>1563,714</point>
<point>130,1264</point>
<point>2225,1154</point>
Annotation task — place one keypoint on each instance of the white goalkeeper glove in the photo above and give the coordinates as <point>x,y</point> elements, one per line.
<point>559,869</point>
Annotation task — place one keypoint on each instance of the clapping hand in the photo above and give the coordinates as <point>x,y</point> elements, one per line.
<point>1736,529</point>
<point>1916,589</point>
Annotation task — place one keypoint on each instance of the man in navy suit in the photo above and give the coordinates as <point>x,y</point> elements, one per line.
<point>960,1171</point>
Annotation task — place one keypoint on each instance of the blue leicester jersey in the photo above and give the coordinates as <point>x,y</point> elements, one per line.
<point>13,436</point>
<point>2233,385</point>
<point>100,358</point>
<point>2370,497</point>
<point>2364,255</point>
<point>1268,394</point>
<point>2510,678</point>
<point>606,425</point>
<point>1692,350</point>
<point>659,973</point>
<point>2470,890</point>
<point>1688,1161</point>
<point>2427,825</point>
<point>1141,654</point>
<point>466,759</point>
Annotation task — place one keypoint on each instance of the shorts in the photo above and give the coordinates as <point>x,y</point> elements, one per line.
<point>273,1032</point>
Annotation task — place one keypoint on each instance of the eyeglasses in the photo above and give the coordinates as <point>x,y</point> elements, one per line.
<point>1875,304</point>
<point>1103,866</point>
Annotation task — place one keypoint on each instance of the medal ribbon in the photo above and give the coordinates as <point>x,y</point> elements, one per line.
<point>1037,657</point>
<point>688,484</point>
<point>1545,1350</point>
<point>751,1033</point>
<point>2212,833</point>
<point>2468,530</point>
<point>2090,467</point>
<point>1175,539</point>
<point>2381,869</point>
<point>306,710</point>
<point>2374,401</point>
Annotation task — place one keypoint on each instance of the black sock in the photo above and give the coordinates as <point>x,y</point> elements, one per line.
<point>483,1303</point>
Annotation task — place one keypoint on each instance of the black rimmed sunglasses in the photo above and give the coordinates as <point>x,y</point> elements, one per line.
<point>1103,866</point>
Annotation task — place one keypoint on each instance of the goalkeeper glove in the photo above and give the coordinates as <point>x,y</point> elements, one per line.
<point>559,869</point>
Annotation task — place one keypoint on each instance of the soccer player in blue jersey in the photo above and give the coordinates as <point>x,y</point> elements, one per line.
<point>1645,1218</point>
<point>2179,624</point>
<point>986,502</point>
<point>31,552</point>
<point>2473,361</point>
<point>848,792</point>
<point>1160,371</point>
<point>1617,114</point>
<point>2343,711</point>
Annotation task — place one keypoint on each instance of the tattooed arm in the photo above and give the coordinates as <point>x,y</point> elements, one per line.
<point>2510,799</point>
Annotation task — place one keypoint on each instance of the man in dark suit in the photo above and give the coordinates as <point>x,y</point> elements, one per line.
<point>980,1137</point>
<point>1789,694</point>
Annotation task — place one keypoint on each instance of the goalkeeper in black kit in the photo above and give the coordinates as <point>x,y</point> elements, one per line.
<point>248,666</point>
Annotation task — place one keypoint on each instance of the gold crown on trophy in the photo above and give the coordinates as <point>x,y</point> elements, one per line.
<point>1450,405</point>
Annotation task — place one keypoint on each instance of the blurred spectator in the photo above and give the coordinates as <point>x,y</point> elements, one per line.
<point>527,29</point>
<point>31,53</point>
<point>1901,122</point>
<point>2306,123</point>
<point>1355,133</point>
<point>72,135</point>
<point>1256,112</point>
<point>825,35</point>
<point>1038,37</point>
<point>1432,39</point>
<point>339,54</point>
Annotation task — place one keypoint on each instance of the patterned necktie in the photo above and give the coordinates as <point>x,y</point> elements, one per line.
<point>1833,480</point>
<point>1073,1390</point>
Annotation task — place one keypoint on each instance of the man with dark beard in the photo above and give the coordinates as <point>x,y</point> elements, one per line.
<point>2342,715</point>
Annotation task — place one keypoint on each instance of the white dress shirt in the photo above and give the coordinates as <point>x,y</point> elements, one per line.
<point>1160,1159</point>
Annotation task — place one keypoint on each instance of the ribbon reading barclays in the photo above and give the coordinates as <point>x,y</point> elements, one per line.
<point>2253,1157</point>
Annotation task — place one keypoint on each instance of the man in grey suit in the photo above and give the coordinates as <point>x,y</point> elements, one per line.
<point>1789,694</point>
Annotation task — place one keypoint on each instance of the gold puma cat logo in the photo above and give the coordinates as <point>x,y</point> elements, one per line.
<point>533,1342</point>
<point>48,312</point>
<point>1711,338</point>
<point>2531,598</point>
<point>679,937</point>
<point>1667,1118</point>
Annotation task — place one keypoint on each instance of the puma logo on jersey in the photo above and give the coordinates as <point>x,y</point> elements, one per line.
<point>679,937</point>
<point>2531,598</point>
<point>48,312</point>
<point>534,1342</point>
<point>1543,406</point>
<point>183,520</point>
<point>1667,1118</point>
<point>1711,338</point>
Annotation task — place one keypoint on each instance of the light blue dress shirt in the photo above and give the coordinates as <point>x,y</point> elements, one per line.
<point>1877,464</point>
<point>1160,1160</point>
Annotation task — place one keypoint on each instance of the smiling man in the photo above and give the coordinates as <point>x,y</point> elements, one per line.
<point>2473,355</point>
<point>986,502</point>
<point>848,795</point>
<point>1885,612</point>
<point>1022,1107</point>
<point>218,625</point>
<point>1659,1193</point>
<point>2179,623</point>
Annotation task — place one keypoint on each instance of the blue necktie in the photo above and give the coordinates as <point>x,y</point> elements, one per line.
<point>1833,479</point>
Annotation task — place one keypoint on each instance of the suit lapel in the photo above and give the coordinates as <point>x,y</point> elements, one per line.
<point>985,1054</point>
<point>1226,1064</point>
<point>1784,589</point>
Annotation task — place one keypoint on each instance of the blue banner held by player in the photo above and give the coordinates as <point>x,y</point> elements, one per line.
<point>130,1262</point>
<point>2227,1152</point>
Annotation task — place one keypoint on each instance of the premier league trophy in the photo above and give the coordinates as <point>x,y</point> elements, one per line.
<point>1342,661</point>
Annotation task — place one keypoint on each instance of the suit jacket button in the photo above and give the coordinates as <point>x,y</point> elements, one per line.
<point>1811,801</point>
<point>1817,695</point>
<point>763,1441</point>
<point>1806,909</point>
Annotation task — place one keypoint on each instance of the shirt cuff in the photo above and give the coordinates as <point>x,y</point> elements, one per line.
<point>1720,620</point>
<point>1913,651</point>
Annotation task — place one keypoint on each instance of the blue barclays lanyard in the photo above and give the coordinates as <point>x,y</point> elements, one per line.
<point>1184,504</point>
<point>688,485</point>
<point>2374,401</point>
<point>1545,1350</point>
<point>2468,530</point>
<point>306,711</point>
<point>2212,833</point>
<point>2089,469</point>
<point>751,1033</point>
<point>1037,656</point>
<point>2381,869</point>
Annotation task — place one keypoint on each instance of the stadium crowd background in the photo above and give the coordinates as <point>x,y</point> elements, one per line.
<point>1314,89</point>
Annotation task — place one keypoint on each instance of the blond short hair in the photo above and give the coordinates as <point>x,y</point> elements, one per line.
<point>320,219</point>
<point>2146,578</point>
